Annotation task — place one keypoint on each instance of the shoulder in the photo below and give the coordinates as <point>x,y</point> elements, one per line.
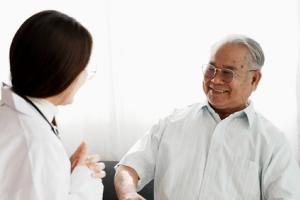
<point>10,122</point>
<point>27,150</point>
<point>183,113</point>
<point>174,119</point>
<point>15,159</point>
<point>270,137</point>
<point>266,128</point>
<point>12,133</point>
<point>26,129</point>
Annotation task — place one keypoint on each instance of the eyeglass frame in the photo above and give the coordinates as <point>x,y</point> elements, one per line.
<point>91,71</point>
<point>234,73</point>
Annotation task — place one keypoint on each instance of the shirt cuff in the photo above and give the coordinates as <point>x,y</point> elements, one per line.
<point>143,173</point>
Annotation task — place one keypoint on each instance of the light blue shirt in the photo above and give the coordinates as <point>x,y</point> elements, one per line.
<point>194,155</point>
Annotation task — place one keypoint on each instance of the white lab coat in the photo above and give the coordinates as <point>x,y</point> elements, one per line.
<point>33,162</point>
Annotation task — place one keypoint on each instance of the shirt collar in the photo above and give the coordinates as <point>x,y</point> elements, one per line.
<point>16,102</point>
<point>211,111</point>
<point>249,112</point>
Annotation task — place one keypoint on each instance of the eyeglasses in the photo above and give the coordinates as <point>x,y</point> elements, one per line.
<point>226,75</point>
<point>91,71</point>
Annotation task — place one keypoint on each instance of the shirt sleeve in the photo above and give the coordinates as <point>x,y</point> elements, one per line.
<point>142,155</point>
<point>281,177</point>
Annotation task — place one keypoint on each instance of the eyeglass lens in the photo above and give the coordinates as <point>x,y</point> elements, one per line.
<point>210,72</point>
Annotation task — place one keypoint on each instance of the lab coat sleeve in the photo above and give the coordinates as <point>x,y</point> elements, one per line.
<point>52,179</point>
<point>281,177</point>
<point>142,155</point>
<point>84,186</point>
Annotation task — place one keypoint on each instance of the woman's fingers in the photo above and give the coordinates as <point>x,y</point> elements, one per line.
<point>98,170</point>
<point>81,157</point>
<point>93,158</point>
<point>96,166</point>
<point>99,175</point>
<point>78,155</point>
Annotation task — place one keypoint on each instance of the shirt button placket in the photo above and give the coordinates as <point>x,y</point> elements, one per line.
<point>210,163</point>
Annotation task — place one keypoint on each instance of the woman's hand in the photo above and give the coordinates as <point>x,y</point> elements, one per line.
<point>81,158</point>
<point>97,167</point>
<point>80,151</point>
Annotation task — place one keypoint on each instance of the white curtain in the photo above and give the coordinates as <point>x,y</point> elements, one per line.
<point>298,85</point>
<point>149,54</point>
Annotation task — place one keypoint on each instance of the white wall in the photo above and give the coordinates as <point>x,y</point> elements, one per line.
<point>149,54</point>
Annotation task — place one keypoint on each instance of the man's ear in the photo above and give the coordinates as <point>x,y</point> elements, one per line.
<point>255,79</point>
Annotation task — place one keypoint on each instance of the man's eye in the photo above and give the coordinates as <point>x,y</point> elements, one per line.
<point>211,69</point>
<point>227,72</point>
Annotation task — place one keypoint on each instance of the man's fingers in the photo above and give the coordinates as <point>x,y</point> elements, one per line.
<point>133,196</point>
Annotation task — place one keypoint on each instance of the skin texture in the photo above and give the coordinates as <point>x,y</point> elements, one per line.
<point>227,98</point>
<point>126,180</point>
<point>81,158</point>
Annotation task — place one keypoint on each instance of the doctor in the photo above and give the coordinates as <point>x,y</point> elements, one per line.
<point>48,59</point>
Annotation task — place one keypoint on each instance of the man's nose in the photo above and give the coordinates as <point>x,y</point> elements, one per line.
<point>217,77</point>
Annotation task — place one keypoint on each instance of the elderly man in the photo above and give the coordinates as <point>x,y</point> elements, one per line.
<point>218,150</point>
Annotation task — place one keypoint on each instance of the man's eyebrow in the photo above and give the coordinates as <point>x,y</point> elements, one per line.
<point>230,67</point>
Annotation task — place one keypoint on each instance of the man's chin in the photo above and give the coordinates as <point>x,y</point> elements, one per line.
<point>217,104</point>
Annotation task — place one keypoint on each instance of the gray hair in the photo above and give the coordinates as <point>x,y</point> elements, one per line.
<point>256,53</point>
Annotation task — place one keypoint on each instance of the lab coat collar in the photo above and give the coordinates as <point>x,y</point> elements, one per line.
<point>18,103</point>
<point>47,108</point>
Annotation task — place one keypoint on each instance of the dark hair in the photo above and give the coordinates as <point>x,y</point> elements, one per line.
<point>47,53</point>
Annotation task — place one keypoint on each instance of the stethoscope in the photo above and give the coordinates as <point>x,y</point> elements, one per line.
<point>53,128</point>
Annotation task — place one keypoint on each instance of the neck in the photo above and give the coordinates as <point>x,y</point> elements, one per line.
<point>56,100</point>
<point>223,113</point>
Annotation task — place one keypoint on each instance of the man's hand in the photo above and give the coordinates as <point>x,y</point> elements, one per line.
<point>126,180</point>
<point>132,196</point>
